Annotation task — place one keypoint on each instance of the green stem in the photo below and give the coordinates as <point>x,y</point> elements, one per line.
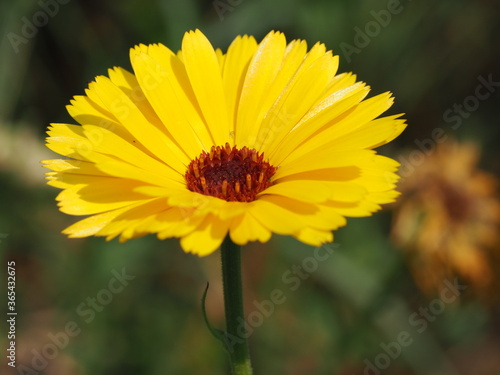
<point>233,303</point>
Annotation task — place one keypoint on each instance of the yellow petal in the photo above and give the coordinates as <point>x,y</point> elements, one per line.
<point>383,197</point>
<point>338,83</point>
<point>98,195</point>
<point>207,204</point>
<point>221,58</point>
<point>204,74</point>
<point>236,63</point>
<point>374,134</point>
<point>306,191</point>
<point>173,102</point>
<point>284,215</point>
<point>85,111</point>
<point>69,166</point>
<point>106,142</point>
<point>296,99</point>
<point>93,224</point>
<point>313,237</point>
<point>362,114</point>
<point>325,184</point>
<point>245,228</point>
<point>129,115</point>
<point>255,95</point>
<point>127,82</point>
<point>171,222</point>
<point>179,227</point>
<point>207,237</point>
<point>353,209</point>
<point>127,223</point>
<point>116,168</point>
<point>325,158</point>
<point>326,111</point>
<point>69,140</point>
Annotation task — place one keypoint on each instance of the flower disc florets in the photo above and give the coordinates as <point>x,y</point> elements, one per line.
<point>229,173</point>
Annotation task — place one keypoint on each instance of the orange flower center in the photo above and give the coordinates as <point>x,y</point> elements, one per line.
<point>229,173</point>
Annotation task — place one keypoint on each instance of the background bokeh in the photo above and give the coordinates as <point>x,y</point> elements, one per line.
<point>341,316</point>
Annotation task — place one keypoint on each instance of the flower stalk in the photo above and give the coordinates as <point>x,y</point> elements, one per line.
<point>236,346</point>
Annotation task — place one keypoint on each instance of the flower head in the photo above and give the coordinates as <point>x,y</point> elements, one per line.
<point>266,138</point>
<point>448,219</point>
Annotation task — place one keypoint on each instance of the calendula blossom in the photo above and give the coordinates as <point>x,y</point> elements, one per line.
<point>448,221</point>
<point>266,138</point>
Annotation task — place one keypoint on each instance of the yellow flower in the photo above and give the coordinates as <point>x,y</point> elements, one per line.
<point>264,139</point>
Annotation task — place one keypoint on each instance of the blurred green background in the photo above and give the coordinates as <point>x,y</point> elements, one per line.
<point>351,306</point>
